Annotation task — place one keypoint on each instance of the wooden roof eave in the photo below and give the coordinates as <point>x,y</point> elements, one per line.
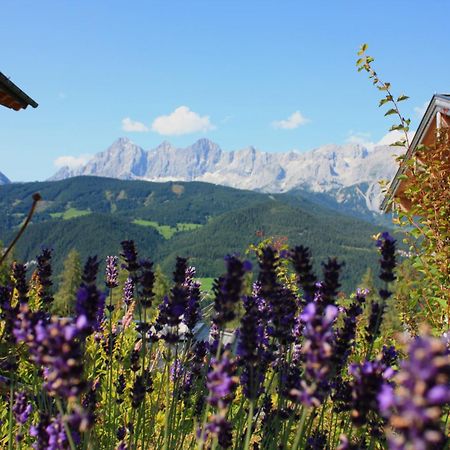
<point>12,96</point>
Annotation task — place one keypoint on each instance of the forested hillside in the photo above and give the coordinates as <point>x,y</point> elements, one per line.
<point>198,220</point>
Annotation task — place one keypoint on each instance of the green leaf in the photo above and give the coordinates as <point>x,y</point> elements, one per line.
<point>391,111</point>
<point>402,97</point>
<point>384,100</point>
<point>397,127</point>
<point>362,49</point>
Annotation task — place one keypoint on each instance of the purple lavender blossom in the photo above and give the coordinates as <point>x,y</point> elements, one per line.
<point>306,280</point>
<point>281,302</point>
<point>112,272</point>
<point>57,438</point>
<point>39,432</point>
<point>21,408</point>
<point>386,245</point>
<point>227,290</point>
<point>44,273</point>
<point>146,283</point>
<point>9,312</point>
<point>346,444</point>
<point>193,312</point>
<point>221,381</point>
<point>317,440</point>
<point>251,349</point>
<point>20,282</point>
<point>90,302</point>
<point>58,351</point>
<point>330,285</point>
<point>317,350</point>
<point>367,380</point>
<point>178,298</point>
<point>129,254</point>
<point>346,335</point>
<point>219,426</point>
<point>138,391</point>
<point>128,291</point>
<point>414,406</point>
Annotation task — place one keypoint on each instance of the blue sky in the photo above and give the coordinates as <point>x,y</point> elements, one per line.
<point>278,75</point>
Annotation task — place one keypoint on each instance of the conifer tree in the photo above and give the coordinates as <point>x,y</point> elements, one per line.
<point>5,268</point>
<point>70,280</point>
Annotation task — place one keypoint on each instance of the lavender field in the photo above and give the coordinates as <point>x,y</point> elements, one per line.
<point>308,369</point>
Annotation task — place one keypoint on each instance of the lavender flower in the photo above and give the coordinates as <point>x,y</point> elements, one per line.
<point>112,272</point>
<point>219,426</point>
<point>129,254</point>
<point>221,381</point>
<point>178,299</point>
<point>414,406</point>
<point>44,273</point>
<point>57,438</point>
<point>58,351</point>
<point>227,290</point>
<point>120,388</point>
<point>39,432</point>
<point>330,285</point>
<point>306,280</point>
<point>9,312</point>
<point>281,302</point>
<point>21,408</point>
<point>386,245</point>
<point>377,310</point>
<point>250,349</point>
<point>138,391</point>
<point>346,444</point>
<point>346,335</point>
<point>146,282</point>
<point>90,303</point>
<point>20,282</point>
<point>193,313</point>
<point>317,350</point>
<point>368,378</point>
<point>317,441</point>
<point>128,291</point>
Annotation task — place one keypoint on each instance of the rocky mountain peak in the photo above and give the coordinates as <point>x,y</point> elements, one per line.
<point>334,170</point>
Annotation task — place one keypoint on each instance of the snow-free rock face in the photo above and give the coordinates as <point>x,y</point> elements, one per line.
<point>348,173</point>
<point>4,179</point>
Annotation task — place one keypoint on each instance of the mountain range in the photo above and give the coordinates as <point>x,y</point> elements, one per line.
<point>346,175</point>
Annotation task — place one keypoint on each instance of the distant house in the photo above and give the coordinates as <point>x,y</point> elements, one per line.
<point>436,116</point>
<point>12,96</point>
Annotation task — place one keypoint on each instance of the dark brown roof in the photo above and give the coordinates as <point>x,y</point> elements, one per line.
<point>13,97</point>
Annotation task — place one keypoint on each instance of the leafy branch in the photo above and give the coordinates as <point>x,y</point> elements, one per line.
<point>364,62</point>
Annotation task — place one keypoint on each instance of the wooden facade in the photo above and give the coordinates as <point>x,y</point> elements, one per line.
<point>437,116</point>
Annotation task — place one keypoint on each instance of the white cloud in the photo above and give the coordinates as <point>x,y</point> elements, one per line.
<point>395,136</point>
<point>293,121</point>
<point>181,121</point>
<point>72,161</point>
<point>363,138</point>
<point>134,126</point>
<point>359,137</point>
<point>420,110</point>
